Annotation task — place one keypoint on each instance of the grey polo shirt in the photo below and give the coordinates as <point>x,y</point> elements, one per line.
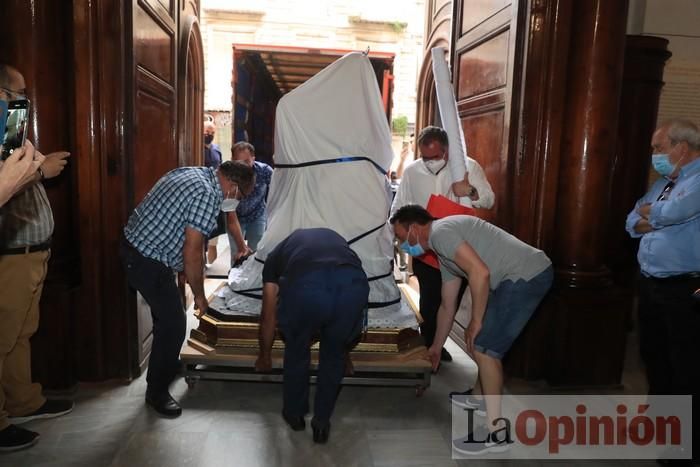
<point>507,257</point>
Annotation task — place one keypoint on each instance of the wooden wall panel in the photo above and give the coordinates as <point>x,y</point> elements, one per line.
<point>154,114</point>
<point>154,44</point>
<point>169,6</point>
<point>485,133</point>
<point>483,68</point>
<point>474,12</point>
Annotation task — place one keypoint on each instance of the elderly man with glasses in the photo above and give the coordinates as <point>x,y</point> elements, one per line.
<point>667,222</point>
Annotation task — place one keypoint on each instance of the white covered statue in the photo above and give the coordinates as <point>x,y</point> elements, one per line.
<point>332,151</point>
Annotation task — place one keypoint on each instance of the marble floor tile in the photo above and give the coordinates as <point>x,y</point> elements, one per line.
<point>228,423</point>
<point>407,447</point>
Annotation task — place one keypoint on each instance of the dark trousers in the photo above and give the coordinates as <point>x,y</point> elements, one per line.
<point>328,303</point>
<point>669,338</point>
<point>430,282</point>
<point>156,283</point>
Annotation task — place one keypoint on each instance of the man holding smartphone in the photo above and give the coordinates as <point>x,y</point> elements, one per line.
<point>26,226</point>
<point>17,170</point>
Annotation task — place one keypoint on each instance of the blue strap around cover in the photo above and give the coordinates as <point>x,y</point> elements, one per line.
<point>248,292</point>
<point>332,161</point>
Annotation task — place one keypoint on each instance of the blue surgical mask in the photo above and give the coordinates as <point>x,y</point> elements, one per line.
<point>412,250</point>
<point>662,164</point>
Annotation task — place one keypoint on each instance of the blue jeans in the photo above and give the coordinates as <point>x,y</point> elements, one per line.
<point>252,233</point>
<point>509,309</point>
<point>328,302</point>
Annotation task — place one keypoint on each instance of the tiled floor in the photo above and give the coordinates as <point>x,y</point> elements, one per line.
<point>239,424</point>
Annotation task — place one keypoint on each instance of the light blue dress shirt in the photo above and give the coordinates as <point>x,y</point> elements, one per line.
<point>673,247</point>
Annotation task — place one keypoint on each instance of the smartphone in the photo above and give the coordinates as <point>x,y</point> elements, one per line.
<point>15,131</point>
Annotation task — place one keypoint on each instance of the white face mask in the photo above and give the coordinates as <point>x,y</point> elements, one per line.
<point>230,204</point>
<point>434,165</point>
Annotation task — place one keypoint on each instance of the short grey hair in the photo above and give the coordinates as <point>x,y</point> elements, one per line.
<point>243,146</point>
<point>682,130</point>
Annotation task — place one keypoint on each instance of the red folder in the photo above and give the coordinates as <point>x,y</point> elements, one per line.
<point>439,207</point>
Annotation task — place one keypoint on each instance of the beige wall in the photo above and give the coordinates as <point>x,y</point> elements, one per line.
<point>679,22</point>
<point>385,26</point>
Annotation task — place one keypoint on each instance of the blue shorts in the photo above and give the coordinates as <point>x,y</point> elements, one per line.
<point>509,309</point>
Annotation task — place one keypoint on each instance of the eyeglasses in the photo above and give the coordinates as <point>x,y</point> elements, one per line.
<point>20,94</point>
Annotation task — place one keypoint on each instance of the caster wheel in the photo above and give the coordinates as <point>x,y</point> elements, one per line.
<point>191,382</point>
<point>420,390</point>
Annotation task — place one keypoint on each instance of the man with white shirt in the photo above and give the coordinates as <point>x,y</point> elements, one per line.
<point>429,175</point>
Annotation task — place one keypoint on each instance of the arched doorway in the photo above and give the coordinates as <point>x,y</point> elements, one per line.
<point>191,94</point>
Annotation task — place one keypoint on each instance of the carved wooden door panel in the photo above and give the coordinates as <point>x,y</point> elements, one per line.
<point>485,75</point>
<point>154,104</point>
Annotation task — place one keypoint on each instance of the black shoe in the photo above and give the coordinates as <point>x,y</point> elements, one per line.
<point>50,409</point>
<point>14,438</point>
<point>164,404</point>
<point>295,423</point>
<point>321,431</point>
<point>445,356</point>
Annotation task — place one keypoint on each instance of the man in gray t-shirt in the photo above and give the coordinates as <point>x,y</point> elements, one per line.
<point>507,257</point>
<point>507,280</point>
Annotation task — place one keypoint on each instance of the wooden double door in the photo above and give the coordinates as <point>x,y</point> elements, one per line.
<point>120,85</point>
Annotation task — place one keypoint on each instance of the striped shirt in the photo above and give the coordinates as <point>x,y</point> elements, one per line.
<point>184,197</point>
<point>26,219</point>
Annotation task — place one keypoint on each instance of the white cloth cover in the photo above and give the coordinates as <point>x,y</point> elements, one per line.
<point>337,113</point>
<point>449,116</point>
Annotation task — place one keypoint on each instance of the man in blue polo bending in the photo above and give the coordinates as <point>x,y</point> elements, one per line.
<point>313,284</point>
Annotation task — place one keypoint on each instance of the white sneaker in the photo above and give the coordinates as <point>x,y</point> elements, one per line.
<point>479,442</point>
<point>467,401</point>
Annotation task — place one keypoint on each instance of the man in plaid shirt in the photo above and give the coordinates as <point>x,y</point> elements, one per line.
<point>166,234</point>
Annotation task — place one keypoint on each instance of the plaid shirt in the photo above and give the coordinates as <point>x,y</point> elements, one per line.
<point>26,219</point>
<point>184,197</point>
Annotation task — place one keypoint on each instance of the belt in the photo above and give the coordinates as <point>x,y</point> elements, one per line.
<point>23,250</point>
<point>677,278</point>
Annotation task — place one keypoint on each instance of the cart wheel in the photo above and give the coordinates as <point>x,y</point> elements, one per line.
<point>191,381</point>
<point>420,390</point>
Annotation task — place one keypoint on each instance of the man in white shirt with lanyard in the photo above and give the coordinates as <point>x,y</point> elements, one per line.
<point>429,175</point>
